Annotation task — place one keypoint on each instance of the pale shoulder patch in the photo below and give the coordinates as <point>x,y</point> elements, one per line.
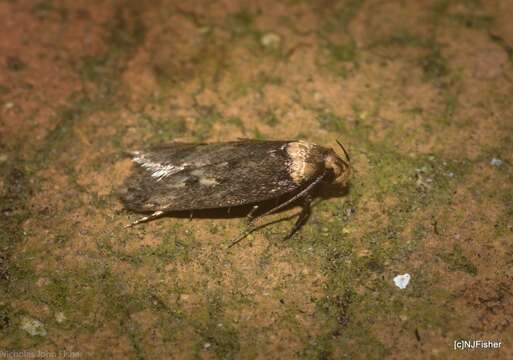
<point>300,169</point>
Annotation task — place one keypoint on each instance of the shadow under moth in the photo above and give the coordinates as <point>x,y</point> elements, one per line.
<point>200,176</point>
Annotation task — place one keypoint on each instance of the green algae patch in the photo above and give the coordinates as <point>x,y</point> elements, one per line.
<point>457,261</point>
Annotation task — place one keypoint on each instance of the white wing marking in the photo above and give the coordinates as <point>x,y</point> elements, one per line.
<point>157,170</point>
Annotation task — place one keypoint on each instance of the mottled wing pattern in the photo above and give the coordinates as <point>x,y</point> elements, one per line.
<point>182,176</point>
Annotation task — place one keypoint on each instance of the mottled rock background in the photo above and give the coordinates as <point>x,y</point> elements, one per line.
<point>421,93</point>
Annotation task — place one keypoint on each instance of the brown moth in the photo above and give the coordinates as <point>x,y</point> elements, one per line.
<point>194,176</point>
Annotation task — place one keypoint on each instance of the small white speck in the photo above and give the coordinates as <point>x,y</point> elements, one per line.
<point>8,105</point>
<point>206,345</point>
<point>451,174</point>
<point>270,40</point>
<point>402,281</point>
<point>496,162</point>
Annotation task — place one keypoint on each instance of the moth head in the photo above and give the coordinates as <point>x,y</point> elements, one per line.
<point>340,167</point>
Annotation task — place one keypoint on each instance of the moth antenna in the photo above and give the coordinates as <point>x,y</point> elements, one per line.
<point>344,150</point>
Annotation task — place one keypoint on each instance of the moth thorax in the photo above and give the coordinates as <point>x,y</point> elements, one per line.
<point>303,165</point>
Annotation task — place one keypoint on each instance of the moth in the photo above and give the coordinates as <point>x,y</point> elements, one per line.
<point>199,176</point>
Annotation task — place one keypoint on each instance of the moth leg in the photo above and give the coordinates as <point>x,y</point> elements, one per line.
<point>251,214</point>
<point>302,217</point>
<point>155,215</point>
<point>249,229</point>
<point>303,193</point>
